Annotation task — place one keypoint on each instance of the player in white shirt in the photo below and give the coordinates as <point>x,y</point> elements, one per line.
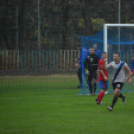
<point>118,68</point>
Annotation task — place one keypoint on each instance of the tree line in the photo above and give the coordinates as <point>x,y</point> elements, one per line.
<point>60,21</point>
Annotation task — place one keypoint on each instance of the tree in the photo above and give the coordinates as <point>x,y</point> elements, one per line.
<point>61,21</point>
<point>86,16</point>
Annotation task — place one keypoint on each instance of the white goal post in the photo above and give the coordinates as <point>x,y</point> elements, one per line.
<point>105,32</point>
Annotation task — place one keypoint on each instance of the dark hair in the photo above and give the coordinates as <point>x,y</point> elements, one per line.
<point>117,53</point>
<point>103,53</point>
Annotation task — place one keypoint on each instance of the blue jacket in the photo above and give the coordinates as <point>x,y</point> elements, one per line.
<point>97,52</point>
<point>132,65</point>
<point>83,55</point>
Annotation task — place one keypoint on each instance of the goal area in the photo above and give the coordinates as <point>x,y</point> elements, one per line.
<point>113,37</point>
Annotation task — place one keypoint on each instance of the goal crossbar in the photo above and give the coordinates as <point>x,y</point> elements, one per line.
<point>112,25</point>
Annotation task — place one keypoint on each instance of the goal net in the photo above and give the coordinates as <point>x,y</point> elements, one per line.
<point>113,37</point>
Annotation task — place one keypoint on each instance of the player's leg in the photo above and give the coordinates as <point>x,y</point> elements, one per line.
<point>95,81</point>
<point>117,87</point>
<point>90,83</point>
<point>115,98</point>
<point>123,97</point>
<point>101,95</point>
<point>116,94</point>
<point>104,87</point>
<point>98,97</point>
<point>95,84</point>
<point>79,77</point>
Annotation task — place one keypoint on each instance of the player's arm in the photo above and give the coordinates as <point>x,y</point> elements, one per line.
<point>76,60</point>
<point>129,74</point>
<point>130,79</point>
<point>104,76</point>
<point>108,66</point>
<point>104,64</point>
<point>86,66</point>
<point>101,71</point>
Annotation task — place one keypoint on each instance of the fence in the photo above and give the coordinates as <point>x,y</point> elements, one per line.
<point>47,60</point>
<point>38,70</point>
<point>39,60</point>
<point>42,70</point>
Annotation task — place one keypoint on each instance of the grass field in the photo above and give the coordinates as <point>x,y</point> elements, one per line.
<point>62,111</point>
<point>54,82</point>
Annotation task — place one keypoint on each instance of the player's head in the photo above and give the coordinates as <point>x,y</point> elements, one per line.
<point>104,55</point>
<point>95,46</point>
<point>78,47</point>
<point>116,57</point>
<point>91,51</point>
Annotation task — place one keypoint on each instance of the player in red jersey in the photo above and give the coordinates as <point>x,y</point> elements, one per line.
<point>103,79</point>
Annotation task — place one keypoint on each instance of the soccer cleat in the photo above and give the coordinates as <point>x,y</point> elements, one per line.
<point>106,92</point>
<point>110,108</point>
<point>124,99</point>
<point>99,103</point>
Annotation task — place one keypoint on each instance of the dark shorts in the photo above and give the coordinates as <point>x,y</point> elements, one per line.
<point>118,85</point>
<point>92,75</point>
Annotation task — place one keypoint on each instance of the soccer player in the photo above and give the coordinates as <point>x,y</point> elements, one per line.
<point>119,68</point>
<point>103,79</point>
<point>91,66</point>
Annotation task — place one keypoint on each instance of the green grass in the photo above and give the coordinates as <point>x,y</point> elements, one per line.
<point>54,82</point>
<point>62,111</point>
<point>49,105</point>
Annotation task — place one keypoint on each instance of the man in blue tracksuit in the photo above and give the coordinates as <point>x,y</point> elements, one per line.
<point>80,63</point>
<point>132,63</point>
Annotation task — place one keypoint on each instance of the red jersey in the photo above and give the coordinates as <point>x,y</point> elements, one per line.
<point>105,71</point>
<point>133,70</point>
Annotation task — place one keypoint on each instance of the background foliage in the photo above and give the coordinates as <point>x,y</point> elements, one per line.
<point>60,21</point>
